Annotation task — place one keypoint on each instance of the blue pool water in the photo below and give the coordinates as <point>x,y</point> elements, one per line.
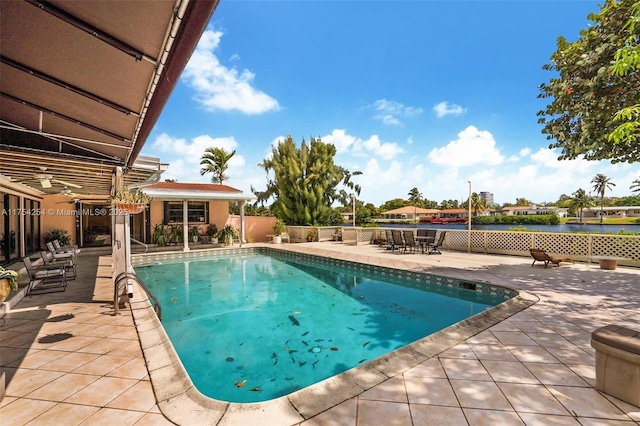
<point>252,327</point>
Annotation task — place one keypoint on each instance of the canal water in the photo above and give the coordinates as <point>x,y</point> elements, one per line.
<point>570,227</point>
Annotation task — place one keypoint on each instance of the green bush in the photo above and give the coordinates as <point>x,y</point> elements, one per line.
<point>57,234</point>
<point>525,219</point>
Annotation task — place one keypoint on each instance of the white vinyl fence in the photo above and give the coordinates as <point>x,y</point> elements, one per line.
<point>580,247</point>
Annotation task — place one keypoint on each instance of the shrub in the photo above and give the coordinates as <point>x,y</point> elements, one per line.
<point>57,234</point>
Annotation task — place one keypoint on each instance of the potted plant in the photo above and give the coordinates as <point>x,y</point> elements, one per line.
<point>278,228</point>
<point>311,235</point>
<point>132,201</point>
<point>194,233</point>
<point>212,232</point>
<point>8,282</point>
<point>228,234</point>
<point>160,236</point>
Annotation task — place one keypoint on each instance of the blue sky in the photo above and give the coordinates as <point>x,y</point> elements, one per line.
<point>426,94</point>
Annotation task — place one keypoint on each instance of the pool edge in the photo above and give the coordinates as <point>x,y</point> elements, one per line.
<point>182,403</point>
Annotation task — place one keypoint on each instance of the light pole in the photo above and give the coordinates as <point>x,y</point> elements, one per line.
<point>353,200</point>
<point>469,221</point>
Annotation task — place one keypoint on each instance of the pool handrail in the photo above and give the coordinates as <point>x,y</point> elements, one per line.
<point>131,276</point>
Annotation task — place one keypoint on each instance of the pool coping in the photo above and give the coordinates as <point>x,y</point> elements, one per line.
<point>180,401</point>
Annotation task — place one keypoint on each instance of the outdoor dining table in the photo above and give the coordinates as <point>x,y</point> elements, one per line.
<point>424,242</point>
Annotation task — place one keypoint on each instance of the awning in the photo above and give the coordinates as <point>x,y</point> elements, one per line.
<point>84,82</point>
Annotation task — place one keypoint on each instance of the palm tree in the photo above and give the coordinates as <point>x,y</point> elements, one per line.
<point>215,161</point>
<point>477,203</point>
<point>635,186</point>
<point>581,200</point>
<point>415,197</point>
<point>600,184</point>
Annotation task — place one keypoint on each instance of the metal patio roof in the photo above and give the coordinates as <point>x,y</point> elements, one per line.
<point>82,84</point>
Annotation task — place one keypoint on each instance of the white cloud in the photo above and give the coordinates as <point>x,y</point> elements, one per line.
<point>340,140</point>
<point>219,87</point>
<point>446,108</point>
<point>389,111</point>
<point>185,156</point>
<point>472,147</point>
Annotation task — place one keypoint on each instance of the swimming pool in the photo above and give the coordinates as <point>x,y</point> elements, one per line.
<point>249,327</point>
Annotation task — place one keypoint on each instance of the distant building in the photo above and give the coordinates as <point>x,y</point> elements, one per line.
<point>487,197</point>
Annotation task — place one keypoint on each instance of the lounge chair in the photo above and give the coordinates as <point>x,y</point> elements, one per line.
<point>434,247</point>
<point>539,255</point>
<point>70,256</point>
<point>389,242</point>
<point>68,264</point>
<point>398,242</point>
<point>409,241</point>
<point>337,236</point>
<point>61,249</point>
<point>45,279</point>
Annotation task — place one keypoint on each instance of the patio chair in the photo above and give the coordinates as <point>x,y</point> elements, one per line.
<point>398,242</point>
<point>44,279</point>
<point>70,256</point>
<point>61,249</point>
<point>389,242</point>
<point>337,236</point>
<point>68,264</point>
<point>539,255</point>
<point>434,247</point>
<point>285,236</point>
<point>409,241</point>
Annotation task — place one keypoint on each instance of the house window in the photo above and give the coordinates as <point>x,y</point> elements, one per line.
<point>198,211</point>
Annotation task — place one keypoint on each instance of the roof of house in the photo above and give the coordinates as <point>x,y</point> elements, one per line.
<point>411,209</point>
<point>195,191</point>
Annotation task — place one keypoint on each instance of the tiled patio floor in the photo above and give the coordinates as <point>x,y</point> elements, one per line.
<point>69,361</point>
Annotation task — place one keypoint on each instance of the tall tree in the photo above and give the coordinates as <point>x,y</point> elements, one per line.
<point>635,186</point>
<point>627,60</point>
<point>522,202</point>
<point>600,184</point>
<point>588,94</point>
<point>477,203</point>
<point>216,161</point>
<point>306,182</point>
<point>415,197</point>
<point>581,200</point>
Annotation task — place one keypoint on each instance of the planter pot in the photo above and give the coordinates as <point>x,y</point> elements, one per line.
<point>214,240</point>
<point>131,208</point>
<point>194,239</point>
<point>277,239</point>
<point>5,289</point>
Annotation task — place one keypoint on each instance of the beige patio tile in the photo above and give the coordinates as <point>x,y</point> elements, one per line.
<point>532,327</point>
<point>129,348</point>
<point>493,352</point>
<point>63,387</point>
<point>466,369</point>
<point>512,372</point>
<point>503,326</point>
<point>112,416</point>
<point>102,346</point>
<point>133,369</point>
<point>549,339</point>
<point>344,414</point>
<point>392,390</point>
<point>139,397</point>
<point>477,417</point>
<point>429,368</point>
<point>64,414</point>
<point>424,390</point>
<point>585,421</point>
<point>383,413</point>
<point>73,343</point>
<point>587,402</point>
<point>23,410</point>
<point>571,355</point>
<point>154,419</point>
<point>480,394</point>
<point>69,362</point>
<point>484,338</point>
<point>514,338</point>
<point>26,381</point>
<point>533,419</point>
<point>557,374</point>
<point>102,391</point>
<point>37,359</point>
<point>532,399</point>
<point>532,354</point>
<point>461,351</point>
<point>435,415</point>
<point>103,365</point>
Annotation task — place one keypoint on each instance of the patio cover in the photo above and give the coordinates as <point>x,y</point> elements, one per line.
<point>83,83</point>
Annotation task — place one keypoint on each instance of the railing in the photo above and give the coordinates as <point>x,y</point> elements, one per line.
<point>133,277</point>
<point>146,247</point>
<point>581,247</point>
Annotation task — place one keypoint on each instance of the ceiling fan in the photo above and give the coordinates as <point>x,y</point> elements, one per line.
<point>46,179</point>
<point>67,191</point>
